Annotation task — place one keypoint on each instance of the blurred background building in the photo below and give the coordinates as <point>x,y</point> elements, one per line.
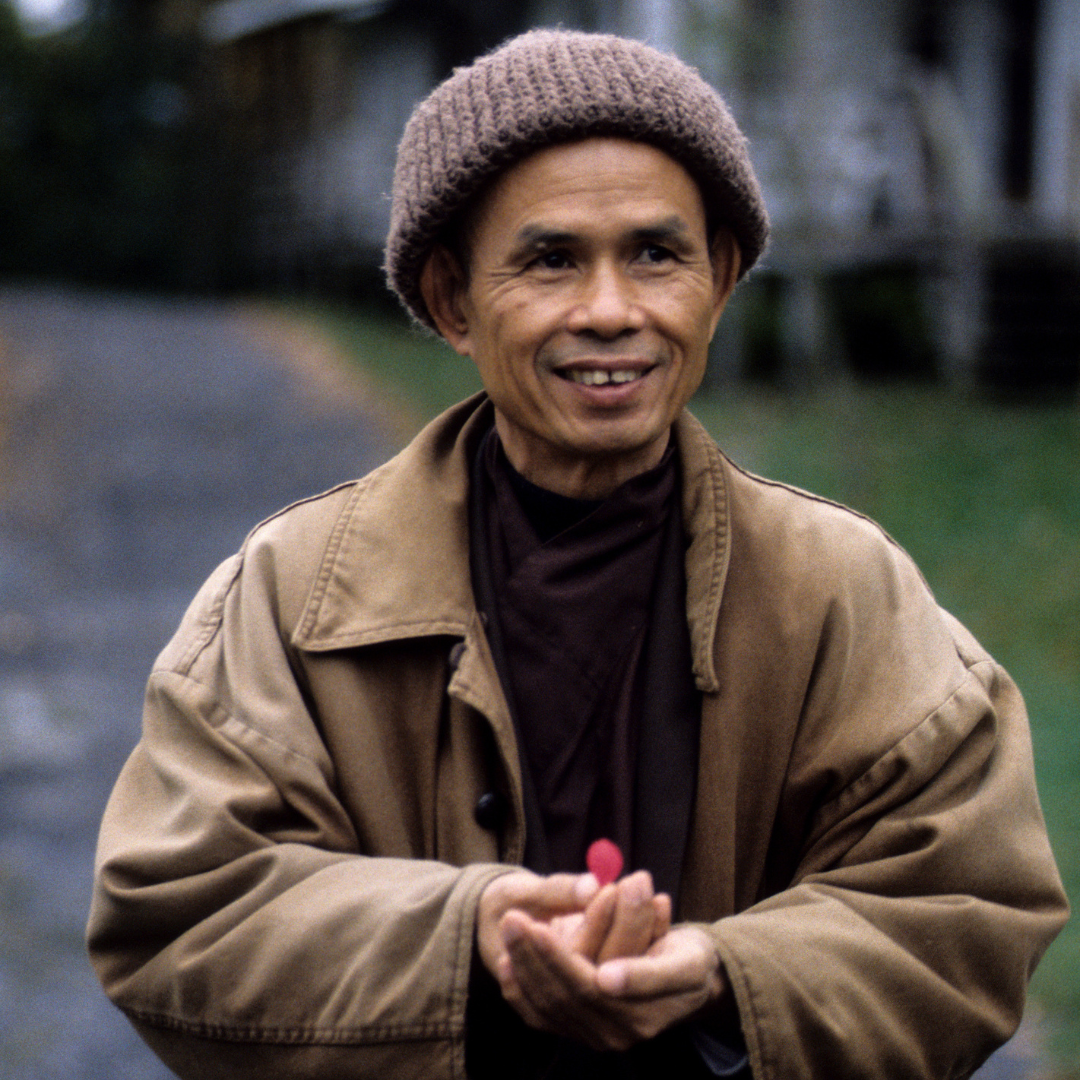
<point>921,160</point>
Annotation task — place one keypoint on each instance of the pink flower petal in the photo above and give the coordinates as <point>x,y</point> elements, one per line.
<point>604,860</point>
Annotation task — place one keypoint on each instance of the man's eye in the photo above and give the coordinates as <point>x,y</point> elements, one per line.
<point>656,253</point>
<point>553,260</point>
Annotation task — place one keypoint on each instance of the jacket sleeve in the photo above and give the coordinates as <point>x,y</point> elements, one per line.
<point>236,918</point>
<point>919,890</point>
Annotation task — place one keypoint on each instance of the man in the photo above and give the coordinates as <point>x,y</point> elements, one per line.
<point>351,842</point>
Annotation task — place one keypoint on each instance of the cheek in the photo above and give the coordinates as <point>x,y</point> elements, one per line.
<point>694,322</point>
<point>508,374</point>
<point>513,346</point>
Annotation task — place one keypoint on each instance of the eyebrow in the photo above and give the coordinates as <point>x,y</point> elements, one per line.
<point>671,230</point>
<point>534,238</point>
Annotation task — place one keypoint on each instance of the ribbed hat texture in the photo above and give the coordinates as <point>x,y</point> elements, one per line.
<point>556,86</point>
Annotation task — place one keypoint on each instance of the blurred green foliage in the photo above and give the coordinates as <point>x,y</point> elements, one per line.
<point>97,143</point>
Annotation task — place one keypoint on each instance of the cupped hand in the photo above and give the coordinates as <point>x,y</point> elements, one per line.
<point>599,965</point>
<point>614,1004</point>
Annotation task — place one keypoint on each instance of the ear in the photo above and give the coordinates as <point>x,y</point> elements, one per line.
<point>726,259</point>
<point>443,286</point>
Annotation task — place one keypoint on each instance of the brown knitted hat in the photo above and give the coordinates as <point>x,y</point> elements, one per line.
<point>556,86</point>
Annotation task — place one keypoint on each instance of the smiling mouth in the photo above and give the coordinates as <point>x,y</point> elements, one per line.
<point>596,377</point>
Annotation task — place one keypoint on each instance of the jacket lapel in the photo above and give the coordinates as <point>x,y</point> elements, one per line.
<point>397,563</point>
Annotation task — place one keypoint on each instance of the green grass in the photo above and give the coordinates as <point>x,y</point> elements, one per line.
<point>985,497</point>
<point>419,373</point>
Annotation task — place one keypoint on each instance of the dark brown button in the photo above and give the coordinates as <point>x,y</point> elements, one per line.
<point>456,653</point>
<point>490,810</point>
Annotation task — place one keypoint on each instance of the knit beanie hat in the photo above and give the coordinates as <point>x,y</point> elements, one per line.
<point>556,86</point>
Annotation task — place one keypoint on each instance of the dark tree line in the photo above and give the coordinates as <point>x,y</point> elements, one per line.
<point>100,148</point>
<point>112,168</point>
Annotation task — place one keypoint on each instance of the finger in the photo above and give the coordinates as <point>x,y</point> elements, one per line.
<point>543,896</point>
<point>513,993</point>
<point>684,961</point>
<point>596,923</point>
<point>556,990</point>
<point>547,982</point>
<point>662,923</point>
<point>633,925</point>
<point>558,993</point>
<point>535,949</point>
<point>568,928</point>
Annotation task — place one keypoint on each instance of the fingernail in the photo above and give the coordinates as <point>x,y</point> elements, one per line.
<point>585,888</point>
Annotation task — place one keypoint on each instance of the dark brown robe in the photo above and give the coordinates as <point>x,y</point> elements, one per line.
<point>586,613</point>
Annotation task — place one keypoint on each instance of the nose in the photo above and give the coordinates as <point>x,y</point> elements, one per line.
<point>607,305</point>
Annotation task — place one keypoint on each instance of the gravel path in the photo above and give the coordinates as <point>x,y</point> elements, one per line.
<point>139,442</point>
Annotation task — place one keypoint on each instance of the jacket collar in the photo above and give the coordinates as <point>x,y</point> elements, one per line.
<point>397,562</point>
<point>706,520</point>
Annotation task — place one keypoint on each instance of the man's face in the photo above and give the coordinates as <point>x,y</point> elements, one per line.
<point>591,296</point>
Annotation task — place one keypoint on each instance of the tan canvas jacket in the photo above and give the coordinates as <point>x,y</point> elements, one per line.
<point>289,865</point>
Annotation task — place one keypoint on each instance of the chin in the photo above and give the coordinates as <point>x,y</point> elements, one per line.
<point>615,445</point>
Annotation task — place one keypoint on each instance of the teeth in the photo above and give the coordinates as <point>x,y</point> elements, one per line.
<point>590,377</point>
